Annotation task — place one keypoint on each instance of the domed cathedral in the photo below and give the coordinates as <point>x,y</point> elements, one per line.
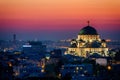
<point>87,43</point>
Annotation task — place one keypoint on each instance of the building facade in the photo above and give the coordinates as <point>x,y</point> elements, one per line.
<point>88,42</point>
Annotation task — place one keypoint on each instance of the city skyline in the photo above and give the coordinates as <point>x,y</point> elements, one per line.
<point>54,20</point>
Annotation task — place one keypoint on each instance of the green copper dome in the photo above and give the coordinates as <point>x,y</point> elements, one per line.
<point>88,30</point>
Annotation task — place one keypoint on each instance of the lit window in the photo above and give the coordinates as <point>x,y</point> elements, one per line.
<point>77,68</point>
<point>42,70</point>
<point>81,68</point>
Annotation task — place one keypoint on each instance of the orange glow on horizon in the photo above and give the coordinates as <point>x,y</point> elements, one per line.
<point>59,12</point>
<point>39,9</point>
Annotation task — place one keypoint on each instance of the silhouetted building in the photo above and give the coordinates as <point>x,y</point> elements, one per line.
<point>33,47</point>
<point>6,71</point>
<point>74,69</point>
<point>14,37</point>
<point>56,53</point>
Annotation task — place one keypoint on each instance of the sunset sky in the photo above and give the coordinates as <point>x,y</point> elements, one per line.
<point>58,19</point>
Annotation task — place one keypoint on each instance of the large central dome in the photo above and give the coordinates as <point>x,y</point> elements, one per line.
<point>88,30</point>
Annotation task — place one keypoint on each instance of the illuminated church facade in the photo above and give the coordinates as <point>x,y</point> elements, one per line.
<point>87,43</point>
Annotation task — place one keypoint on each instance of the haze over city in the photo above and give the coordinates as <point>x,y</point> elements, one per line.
<point>54,20</point>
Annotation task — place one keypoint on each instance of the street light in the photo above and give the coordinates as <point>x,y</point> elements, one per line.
<point>109,67</point>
